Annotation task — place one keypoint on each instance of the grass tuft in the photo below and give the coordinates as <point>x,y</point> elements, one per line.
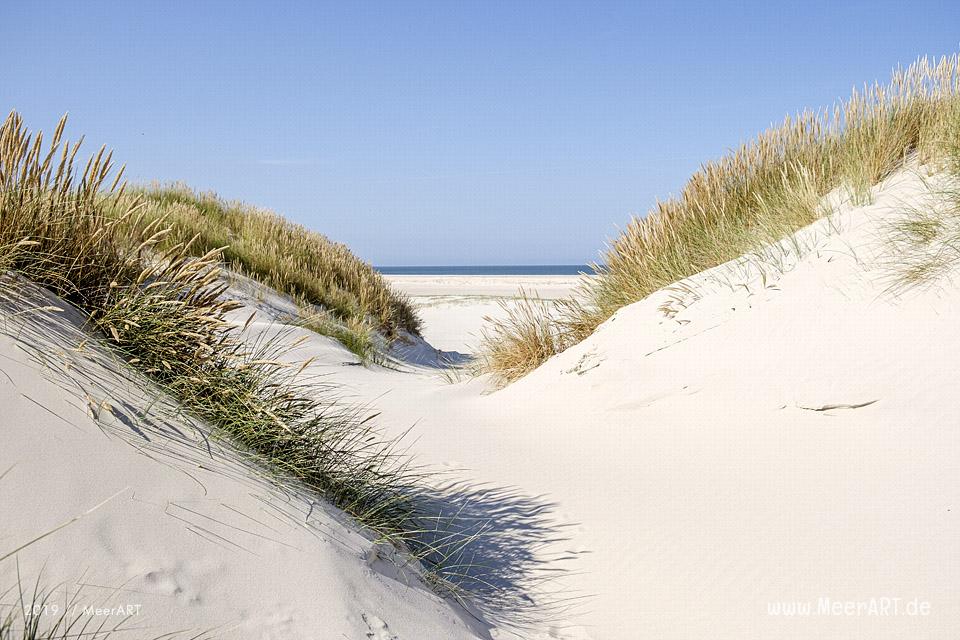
<point>761,192</point>
<point>357,335</point>
<point>155,293</point>
<point>38,615</point>
<point>278,253</point>
<point>527,334</point>
<point>924,243</point>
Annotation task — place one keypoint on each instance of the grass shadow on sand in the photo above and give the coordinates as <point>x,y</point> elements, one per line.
<point>491,549</point>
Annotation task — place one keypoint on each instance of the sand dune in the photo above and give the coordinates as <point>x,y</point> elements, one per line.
<point>778,429</point>
<point>453,308</point>
<point>193,537</point>
<point>781,429</point>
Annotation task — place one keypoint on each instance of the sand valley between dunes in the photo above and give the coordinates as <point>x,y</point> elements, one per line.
<point>453,308</point>
<point>780,429</point>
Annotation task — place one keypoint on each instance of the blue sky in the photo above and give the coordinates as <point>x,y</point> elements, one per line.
<point>448,132</point>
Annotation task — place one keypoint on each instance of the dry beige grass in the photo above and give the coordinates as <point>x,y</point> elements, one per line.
<point>763,191</point>
<point>281,254</point>
<point>924,243</point>
<point>159,304</point>
<point>525,336</point>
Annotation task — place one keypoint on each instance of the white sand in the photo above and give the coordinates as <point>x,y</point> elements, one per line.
<point>194,539</point>
<point>775,430</point>
<point>453,308</point>
<point>698,480</point>
<point>546,287</point>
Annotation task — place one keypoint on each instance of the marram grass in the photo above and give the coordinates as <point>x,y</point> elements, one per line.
<point>761,192</point>
<point>525,336</point>
<point>159,299</point>
<point>164,309</point>
<point>357,335</point>
<point>278,253</point>
<point>924,242</point>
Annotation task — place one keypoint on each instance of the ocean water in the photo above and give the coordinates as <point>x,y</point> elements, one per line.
<point>490,270</point>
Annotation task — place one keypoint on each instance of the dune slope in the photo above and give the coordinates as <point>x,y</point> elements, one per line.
<point>193,537</point>
<point>779,429</point>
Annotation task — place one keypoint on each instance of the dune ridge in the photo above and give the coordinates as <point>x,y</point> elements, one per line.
<point>761,420</point>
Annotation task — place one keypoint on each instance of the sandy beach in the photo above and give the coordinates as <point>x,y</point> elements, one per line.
<point>453,308</point>
<point>660,494</point>
<point>694,502</point>
<point>218,421</point>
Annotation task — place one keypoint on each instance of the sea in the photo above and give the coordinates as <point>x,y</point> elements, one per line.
<point>490,270</point>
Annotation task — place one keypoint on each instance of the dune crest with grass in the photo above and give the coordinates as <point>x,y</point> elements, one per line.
<point>778,429</point>
<point>766,189</point>
<point>145,310</point>
<point>193,537</point>
<point>744,425</point>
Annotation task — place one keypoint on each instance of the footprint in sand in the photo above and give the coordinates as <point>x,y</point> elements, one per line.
<point>586,363</point>
<point>165,582</point>
<point>378,629</point>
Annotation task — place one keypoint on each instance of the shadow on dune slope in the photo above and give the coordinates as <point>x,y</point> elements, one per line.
<point>489,546</point>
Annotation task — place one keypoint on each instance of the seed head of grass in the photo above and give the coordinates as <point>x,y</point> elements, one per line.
<point>153,291</point>
<point>762,191</point>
